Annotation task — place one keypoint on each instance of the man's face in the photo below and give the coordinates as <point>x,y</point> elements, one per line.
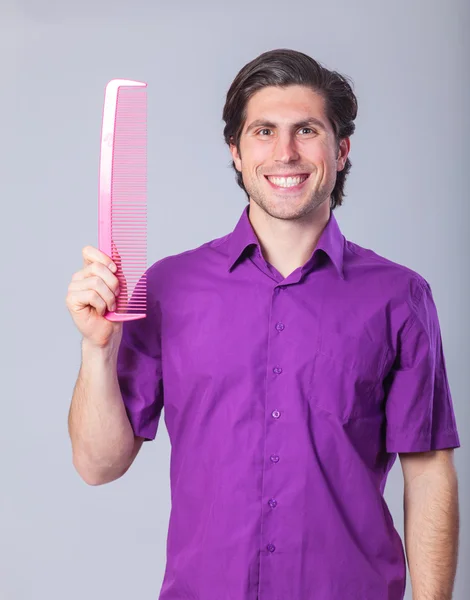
<point>287,134</point>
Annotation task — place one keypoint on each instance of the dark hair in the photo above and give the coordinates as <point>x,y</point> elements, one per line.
<point>283,68</point>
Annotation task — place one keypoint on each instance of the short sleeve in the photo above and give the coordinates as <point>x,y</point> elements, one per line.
<point>139,372</point>
<point>418,403</point>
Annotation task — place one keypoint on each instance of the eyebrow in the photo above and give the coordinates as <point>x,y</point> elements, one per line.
<point>304,123</point>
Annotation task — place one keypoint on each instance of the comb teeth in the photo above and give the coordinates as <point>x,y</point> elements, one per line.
<point>126,210</point>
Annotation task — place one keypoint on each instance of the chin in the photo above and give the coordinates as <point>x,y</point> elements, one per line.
<point>286,213</point>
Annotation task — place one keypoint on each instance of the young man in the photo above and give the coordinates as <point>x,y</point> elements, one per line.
<point>293,365</point>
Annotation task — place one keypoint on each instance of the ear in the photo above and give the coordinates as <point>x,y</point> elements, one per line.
<point>343,151</point>
<point>236,156</point>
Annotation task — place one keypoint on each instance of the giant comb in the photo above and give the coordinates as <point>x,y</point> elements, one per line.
<point>122,226</point>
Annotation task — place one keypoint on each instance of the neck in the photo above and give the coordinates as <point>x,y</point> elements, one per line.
<point>288,244</point>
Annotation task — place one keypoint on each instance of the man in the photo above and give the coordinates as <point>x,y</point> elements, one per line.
<point>293,365</point>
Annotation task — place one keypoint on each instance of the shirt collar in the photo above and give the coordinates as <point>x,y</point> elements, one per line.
<point>331,242</point>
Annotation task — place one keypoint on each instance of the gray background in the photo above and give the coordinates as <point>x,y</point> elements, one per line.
<point>407,199</point>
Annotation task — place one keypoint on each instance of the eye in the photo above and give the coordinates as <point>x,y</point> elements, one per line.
<point>307,129</point>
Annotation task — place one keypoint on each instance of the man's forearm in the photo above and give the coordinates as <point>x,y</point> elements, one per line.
<point>101,435</point>
<point>431,535</point>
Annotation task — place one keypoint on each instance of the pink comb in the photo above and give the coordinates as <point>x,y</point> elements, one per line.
<point>122,227</point>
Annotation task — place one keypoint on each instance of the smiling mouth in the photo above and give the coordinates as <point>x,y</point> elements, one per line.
<point>290,182</point>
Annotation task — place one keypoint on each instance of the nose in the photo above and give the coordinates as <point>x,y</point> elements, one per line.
<point>285,149</point>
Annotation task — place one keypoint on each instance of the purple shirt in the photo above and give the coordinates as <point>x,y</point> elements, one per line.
<point>286,403</point>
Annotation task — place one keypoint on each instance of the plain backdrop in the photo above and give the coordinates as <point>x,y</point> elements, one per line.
<point>407,199</point>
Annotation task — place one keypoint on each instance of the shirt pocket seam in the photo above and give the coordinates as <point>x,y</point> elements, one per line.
<point>350,345</point>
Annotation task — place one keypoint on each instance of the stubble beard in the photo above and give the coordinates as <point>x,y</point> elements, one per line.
<point>284,208</point>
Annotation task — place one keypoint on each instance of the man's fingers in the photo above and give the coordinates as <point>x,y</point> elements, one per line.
<point>100,270</point>
<point>91,254</point>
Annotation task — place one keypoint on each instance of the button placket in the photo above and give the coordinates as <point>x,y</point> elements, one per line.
<point>278,328</point>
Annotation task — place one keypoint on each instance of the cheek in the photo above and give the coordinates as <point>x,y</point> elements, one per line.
<point>324,161</point>
<point>253,158</point>
<point>320,153</point>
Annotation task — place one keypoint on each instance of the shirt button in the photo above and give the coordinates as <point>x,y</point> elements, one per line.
<point>276,414</point>
<point>277,370</point>
<point>274,458</point>
<point>273,503</point>
<point>280,326</point>
<point>271,547</point>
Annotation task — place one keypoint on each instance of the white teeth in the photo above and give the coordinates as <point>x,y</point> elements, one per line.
<point>287,181</point>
